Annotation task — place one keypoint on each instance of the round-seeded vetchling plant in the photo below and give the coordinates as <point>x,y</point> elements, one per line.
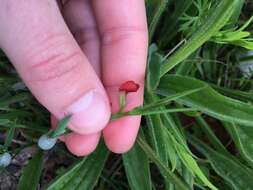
<point>197,127</point>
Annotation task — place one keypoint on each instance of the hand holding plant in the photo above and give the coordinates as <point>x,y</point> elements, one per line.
<point>73,56</point>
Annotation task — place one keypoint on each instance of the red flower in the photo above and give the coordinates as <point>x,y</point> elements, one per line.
<point>129,86</point>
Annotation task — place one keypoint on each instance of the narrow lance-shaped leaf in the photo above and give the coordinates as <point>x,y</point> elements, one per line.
<point>237,94</point>
<point>60,128</point>
<point>136,165</point>
<point>160,8</point>
<point>237,11</point>
<point>187,158</point>
<point>9,137</point>
<point>168,175</point>
<point>84,174</point>
<point>229,168</point>
<point>156,134</point>
<point>192,165</point>
<point>154,65</point>
<point>207,100</point>
<point>31,173</point>
<point>243,138</point>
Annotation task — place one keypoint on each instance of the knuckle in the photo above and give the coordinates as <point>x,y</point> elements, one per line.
<point>52,59</point>
<point>128,33</point>
<point>53,67</point>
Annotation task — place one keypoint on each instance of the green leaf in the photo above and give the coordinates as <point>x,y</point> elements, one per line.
<point>243,138</point>
<point>186,174</point>
<point>172,134</point>
<point>235,36</point>
<point>156,134</point>
<point>168,175</point>
<point>187,158</point>
<point>136,165</point>
<point>4,121</point>
<point>159,9</point>
<point>208,100</point>
<point>213,23</point>
<point>61,127</point>
<point>237,94</point>
<point>192,165</point>
<point>84,174</point>
<point>154,66</point>
<point>31,173</point>
<point>9,137</point>
<point>229,168</point>
<point>237,11</point>
<point>164,136</point>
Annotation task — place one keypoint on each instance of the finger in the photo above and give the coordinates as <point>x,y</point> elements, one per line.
<point>44,52</point>
<point>79,145</point>
<point>123,30</point>
<point>79,17</point>
<point>82,145</point>
<point>80,20</point>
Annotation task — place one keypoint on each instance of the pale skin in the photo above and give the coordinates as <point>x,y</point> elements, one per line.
<point>63,51</point>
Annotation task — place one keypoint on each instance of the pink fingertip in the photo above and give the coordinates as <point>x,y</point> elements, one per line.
<point>89,114</point>
<point>82,145</point>
<point>120,135</point>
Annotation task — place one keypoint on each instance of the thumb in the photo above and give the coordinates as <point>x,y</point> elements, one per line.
<point>45,54</point>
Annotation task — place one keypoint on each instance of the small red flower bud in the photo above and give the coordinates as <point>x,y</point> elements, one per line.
<point>129,86</point>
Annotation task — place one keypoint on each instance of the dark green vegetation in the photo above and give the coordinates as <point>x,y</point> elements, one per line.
<point>195,46</point>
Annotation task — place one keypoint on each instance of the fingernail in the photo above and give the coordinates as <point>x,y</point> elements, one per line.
<point>90,113</point>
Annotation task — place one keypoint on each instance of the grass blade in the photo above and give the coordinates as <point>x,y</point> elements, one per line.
<point>9,137</point>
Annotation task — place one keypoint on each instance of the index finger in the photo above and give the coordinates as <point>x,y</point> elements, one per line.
<point>124,38</point>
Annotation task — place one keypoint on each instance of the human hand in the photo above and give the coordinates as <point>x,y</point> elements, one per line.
<point>74,63</point>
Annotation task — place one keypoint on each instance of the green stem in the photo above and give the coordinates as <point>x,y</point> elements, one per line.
<point>140,111</point>
<point>119,115</point>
